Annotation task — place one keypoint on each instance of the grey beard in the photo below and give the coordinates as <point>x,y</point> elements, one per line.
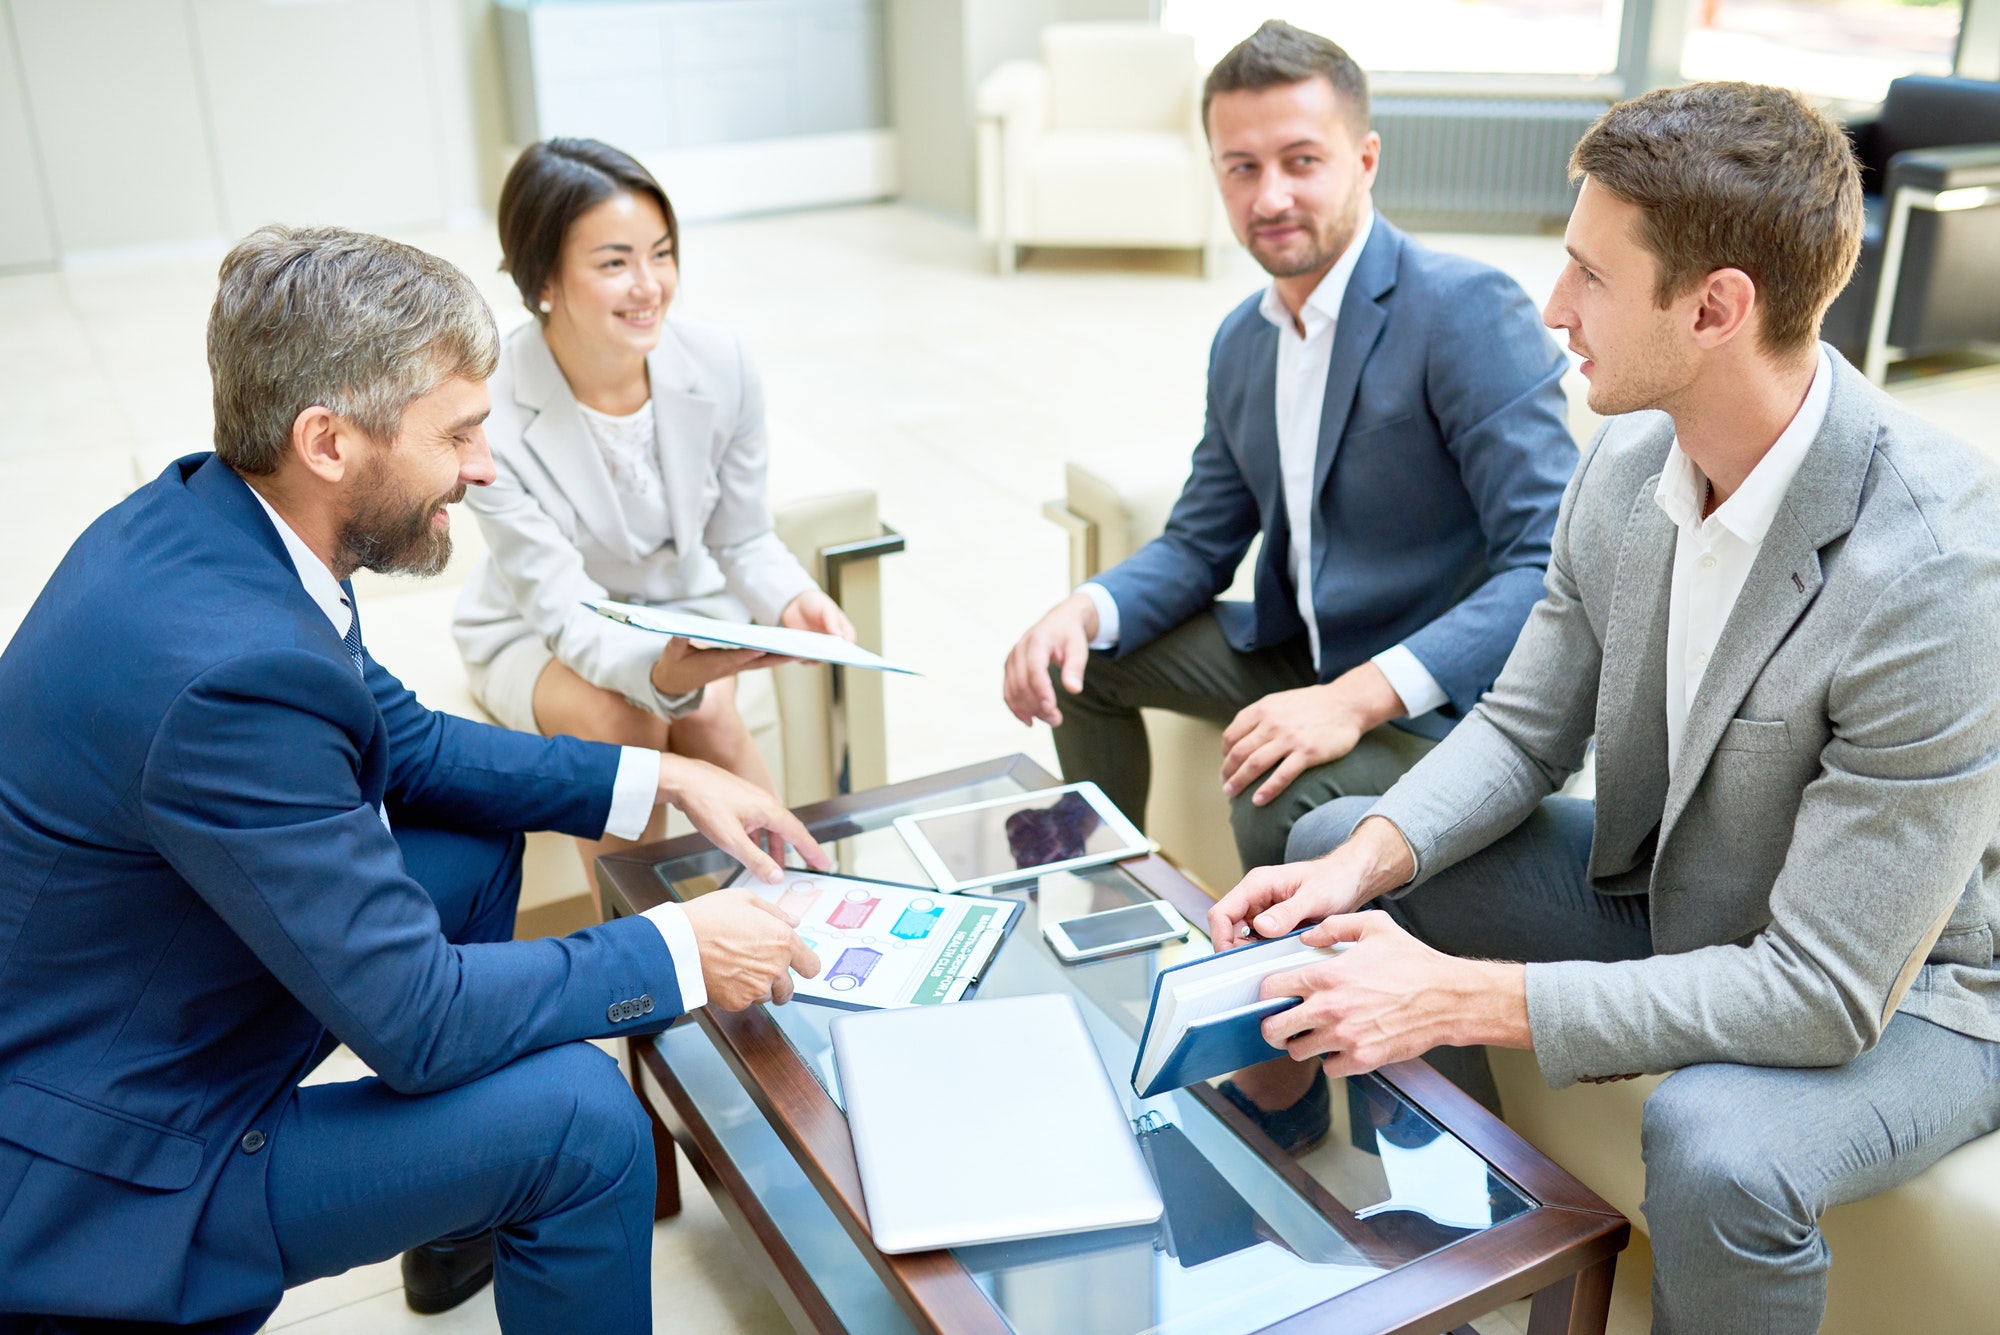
<point>391,542</point>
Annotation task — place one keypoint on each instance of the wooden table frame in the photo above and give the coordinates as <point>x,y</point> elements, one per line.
<point>1563,1254</point>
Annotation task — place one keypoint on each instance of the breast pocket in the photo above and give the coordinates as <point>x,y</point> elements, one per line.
<point>1747,734</point>
<point>1368,426</point>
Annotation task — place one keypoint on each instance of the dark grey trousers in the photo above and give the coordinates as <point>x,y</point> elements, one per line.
<point>1192,670</point>
<point>1741,1161</point>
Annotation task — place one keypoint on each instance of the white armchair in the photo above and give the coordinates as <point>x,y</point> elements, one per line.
<point>1098,144</point>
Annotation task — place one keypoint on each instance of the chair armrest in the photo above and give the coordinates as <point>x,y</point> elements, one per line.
<point>1082,539</point>
<point>1016,88</point>
<point>1968,166</point>
<point>834,560</point>
<point>835,729</point>
<point>1011,109</point>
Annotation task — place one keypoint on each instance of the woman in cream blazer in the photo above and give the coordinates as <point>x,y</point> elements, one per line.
<point>630,452</point>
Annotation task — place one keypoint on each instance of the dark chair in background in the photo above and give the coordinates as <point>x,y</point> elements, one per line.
<point>1930,164</point>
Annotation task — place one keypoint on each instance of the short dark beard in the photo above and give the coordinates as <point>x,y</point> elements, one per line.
<point>388,533</point>
<point>1328,244</point>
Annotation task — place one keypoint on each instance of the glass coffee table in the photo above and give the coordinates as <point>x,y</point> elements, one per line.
<point>1417,1212</point>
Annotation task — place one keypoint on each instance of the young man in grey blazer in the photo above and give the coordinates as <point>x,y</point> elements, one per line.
<point>1389,418</point>
<point>1774,597</point>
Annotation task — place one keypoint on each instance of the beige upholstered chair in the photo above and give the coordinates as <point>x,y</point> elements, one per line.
<point>1915,1259</point>
<point>1097,144</point>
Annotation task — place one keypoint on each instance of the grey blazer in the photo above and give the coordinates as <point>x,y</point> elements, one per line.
<point>555,534</point>
<point>1826,852</point>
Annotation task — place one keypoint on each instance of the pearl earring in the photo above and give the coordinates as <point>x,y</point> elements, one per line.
<point>546,308</point>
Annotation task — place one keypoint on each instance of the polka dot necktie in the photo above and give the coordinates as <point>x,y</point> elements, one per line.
<point>353,640</point>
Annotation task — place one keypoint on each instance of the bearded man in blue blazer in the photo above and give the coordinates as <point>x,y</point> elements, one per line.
<point>230,839</point>
<point>1389,418</point>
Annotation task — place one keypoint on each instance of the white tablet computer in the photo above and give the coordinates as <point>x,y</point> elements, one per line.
<point>1020,837</point>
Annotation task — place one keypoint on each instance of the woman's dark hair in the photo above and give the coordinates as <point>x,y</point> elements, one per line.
<point>550,186</point>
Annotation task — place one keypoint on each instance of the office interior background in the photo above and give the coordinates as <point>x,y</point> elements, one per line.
<point>838,166</point>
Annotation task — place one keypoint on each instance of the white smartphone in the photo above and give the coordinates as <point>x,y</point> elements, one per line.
<point>1107,933</point>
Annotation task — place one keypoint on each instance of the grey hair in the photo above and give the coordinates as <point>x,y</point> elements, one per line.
<point>357,324</point>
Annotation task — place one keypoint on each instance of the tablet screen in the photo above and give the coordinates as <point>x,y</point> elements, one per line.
<point>1018,836</point>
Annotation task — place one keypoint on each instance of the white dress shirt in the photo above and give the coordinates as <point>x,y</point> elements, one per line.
<point>1303,362</point>
<point>633,792</point>
<point>1713,556</point>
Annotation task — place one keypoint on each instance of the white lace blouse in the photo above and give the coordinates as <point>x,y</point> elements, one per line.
<point>631,454</point>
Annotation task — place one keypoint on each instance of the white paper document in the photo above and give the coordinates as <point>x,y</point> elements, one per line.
<point>882,946</point>
<point>805,644</point>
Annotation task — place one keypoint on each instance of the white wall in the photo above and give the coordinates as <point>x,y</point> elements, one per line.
<point>175,122</point>
<point>115,105</point>
<point>25,236</point>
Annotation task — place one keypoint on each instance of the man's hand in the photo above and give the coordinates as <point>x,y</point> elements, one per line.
<point>1290,732</point>
<point>738,817</point>
<point>1272,901</point>
<point>813,610</point>
<point>682,668</point>
<point>748,949</point>
<point>1061,638</point>
<point>1389,997</point>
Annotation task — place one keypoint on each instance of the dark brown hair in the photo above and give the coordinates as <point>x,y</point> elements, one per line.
<point>1736,176</point>
<point>1278,54</point>
<point>549,187</point>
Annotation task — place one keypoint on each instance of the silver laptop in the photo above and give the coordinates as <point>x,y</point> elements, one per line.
<point>986,1121</point>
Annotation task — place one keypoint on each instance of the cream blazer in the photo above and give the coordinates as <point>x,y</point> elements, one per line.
<point>555,534</point>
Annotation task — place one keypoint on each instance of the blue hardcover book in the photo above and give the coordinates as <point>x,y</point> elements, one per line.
<point>1207,1017</point>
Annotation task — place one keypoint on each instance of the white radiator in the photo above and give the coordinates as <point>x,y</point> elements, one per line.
<point>1486,163</point>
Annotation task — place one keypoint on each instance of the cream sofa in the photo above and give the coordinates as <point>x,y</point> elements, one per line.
<point>1913,1260</point>
<point>809,738</point>
<point>1097,144</point>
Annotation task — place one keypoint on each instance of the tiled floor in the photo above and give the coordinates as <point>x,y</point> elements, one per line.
<point>884,336</point>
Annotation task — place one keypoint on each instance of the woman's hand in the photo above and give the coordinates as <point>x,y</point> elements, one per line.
<point>738,817</point>
<point>813,610</point>
<point>681,668</point>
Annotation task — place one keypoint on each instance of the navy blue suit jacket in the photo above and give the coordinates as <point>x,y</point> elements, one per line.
<point>1443,454</point>
<point>195,888</point>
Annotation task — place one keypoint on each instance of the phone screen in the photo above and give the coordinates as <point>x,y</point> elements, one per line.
<point>1100,931</point>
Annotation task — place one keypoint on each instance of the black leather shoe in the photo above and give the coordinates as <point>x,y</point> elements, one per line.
<point>1295,1129</point>
<point>438,1276</point>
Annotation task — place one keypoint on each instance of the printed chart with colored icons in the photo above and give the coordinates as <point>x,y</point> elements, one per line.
<point>883,946</point>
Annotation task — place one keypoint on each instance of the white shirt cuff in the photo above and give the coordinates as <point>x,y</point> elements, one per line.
<point>634,793</point>
<point>1411,680</point>
<point>672,920</point>
<point>1107,615</point>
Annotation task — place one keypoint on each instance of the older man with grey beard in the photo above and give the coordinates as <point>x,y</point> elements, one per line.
<point>229,839</point>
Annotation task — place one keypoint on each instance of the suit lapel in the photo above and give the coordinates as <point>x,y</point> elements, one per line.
<point>1362,318</point>
<point>218,485</point>
<point>1632,697</point>
<point>683,425</point>
<point>558,438</point>
<point>1820,505</point>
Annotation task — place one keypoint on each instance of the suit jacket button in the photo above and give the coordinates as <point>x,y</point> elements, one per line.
<point>646,1003</point>
<point>616,1013</point>
<point>252,1141</point>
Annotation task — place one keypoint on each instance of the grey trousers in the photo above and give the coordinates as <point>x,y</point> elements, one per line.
<point>1741,1161</point>
<point>1192,670</point>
